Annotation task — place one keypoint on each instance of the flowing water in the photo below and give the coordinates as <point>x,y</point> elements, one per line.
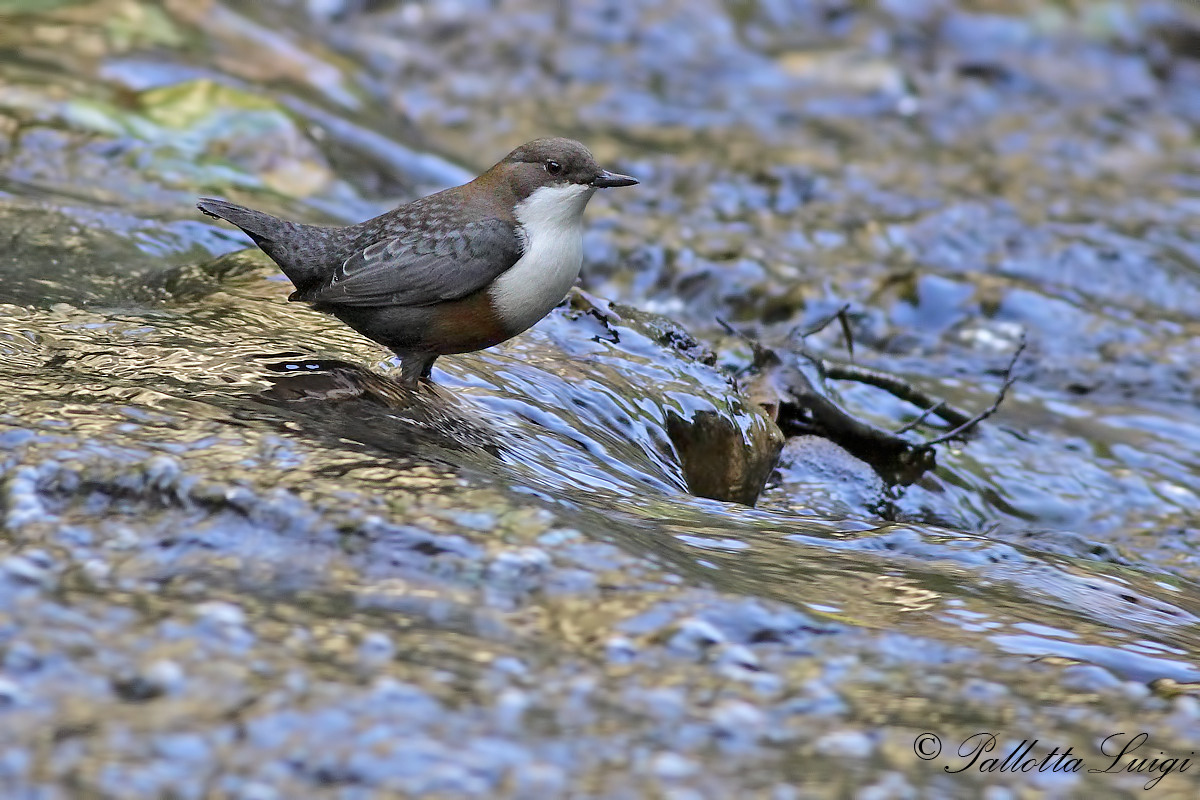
<point>239,561</point>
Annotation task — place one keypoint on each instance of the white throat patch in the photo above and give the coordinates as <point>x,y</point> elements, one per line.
<point>551,228</point>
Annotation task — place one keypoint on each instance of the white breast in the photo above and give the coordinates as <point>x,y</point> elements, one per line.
<point>551,227</point>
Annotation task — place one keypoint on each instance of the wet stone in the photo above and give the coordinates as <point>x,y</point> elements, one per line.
<point>620,649</point>
<point>24,504</point>
<point>816,476</point>
<point>138,686</point>
<point>673,766</point>
<point>15,437</point>
<point>220,615</point>
<point>263,562</point>
<point>749,621</point>
<point>184,747</point>
<point>985,692</point>
<point>376,649</point>
<point>21,657</point>
<point>479,521</point>
<point>723,461</point>
<point>1090,679</point>
<point>32,569</point>
<point>10,693</point>
<point>519,566</point>
<point>696,636</point>
<point>393,537</point>
<point>845,744</point>
<point>738,721</point>
<point>818,700</point>
<point>893,786</point>
<point>738,656</point>
<point>540,780</point>
<point>999,793</point>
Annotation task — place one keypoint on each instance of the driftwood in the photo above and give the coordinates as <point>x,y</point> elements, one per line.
<point>790,387</point>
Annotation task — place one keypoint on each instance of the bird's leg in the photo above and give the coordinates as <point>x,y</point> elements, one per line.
<point>414,366</point>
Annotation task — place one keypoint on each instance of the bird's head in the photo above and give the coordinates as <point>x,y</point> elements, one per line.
<point>553,179</point>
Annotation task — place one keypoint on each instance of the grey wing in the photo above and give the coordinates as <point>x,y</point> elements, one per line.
<point>421,267</point>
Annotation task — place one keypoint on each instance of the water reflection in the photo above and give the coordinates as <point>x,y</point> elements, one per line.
<point>221,503</point>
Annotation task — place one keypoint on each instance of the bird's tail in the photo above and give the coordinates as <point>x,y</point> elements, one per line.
<point>299,250</point>
<point>255,223</point>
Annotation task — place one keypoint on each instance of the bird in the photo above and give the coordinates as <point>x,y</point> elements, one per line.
<point>454,272</point>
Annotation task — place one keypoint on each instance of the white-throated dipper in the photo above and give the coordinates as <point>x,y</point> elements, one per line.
<point>453,272</point>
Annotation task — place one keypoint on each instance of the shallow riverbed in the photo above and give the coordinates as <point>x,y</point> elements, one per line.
<point>238,561</point>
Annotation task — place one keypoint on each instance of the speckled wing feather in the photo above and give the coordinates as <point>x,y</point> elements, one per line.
<point>421,266</point>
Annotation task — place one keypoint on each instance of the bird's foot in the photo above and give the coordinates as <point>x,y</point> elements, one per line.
<point>415,367</point>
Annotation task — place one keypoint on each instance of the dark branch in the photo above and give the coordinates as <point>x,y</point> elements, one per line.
<point>896,387</point>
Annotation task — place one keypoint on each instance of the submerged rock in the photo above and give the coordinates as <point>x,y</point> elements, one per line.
<point>235,549</point>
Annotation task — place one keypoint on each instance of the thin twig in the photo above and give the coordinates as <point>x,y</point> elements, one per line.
<point>732,331</point>
<point>822,324</point>
<point>1009,380</point>
<point>762,355</point>
<point>908,426</point>
<point>843,319</point>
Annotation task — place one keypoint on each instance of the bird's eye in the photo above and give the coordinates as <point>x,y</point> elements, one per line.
<point>554,168</point>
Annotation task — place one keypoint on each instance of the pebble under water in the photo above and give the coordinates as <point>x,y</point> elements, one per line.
<point>239,561</point>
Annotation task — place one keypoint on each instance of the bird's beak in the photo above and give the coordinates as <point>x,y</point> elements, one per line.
<point>608,180</point>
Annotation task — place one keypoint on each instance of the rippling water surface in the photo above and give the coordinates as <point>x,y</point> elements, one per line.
<point>235,548</point>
